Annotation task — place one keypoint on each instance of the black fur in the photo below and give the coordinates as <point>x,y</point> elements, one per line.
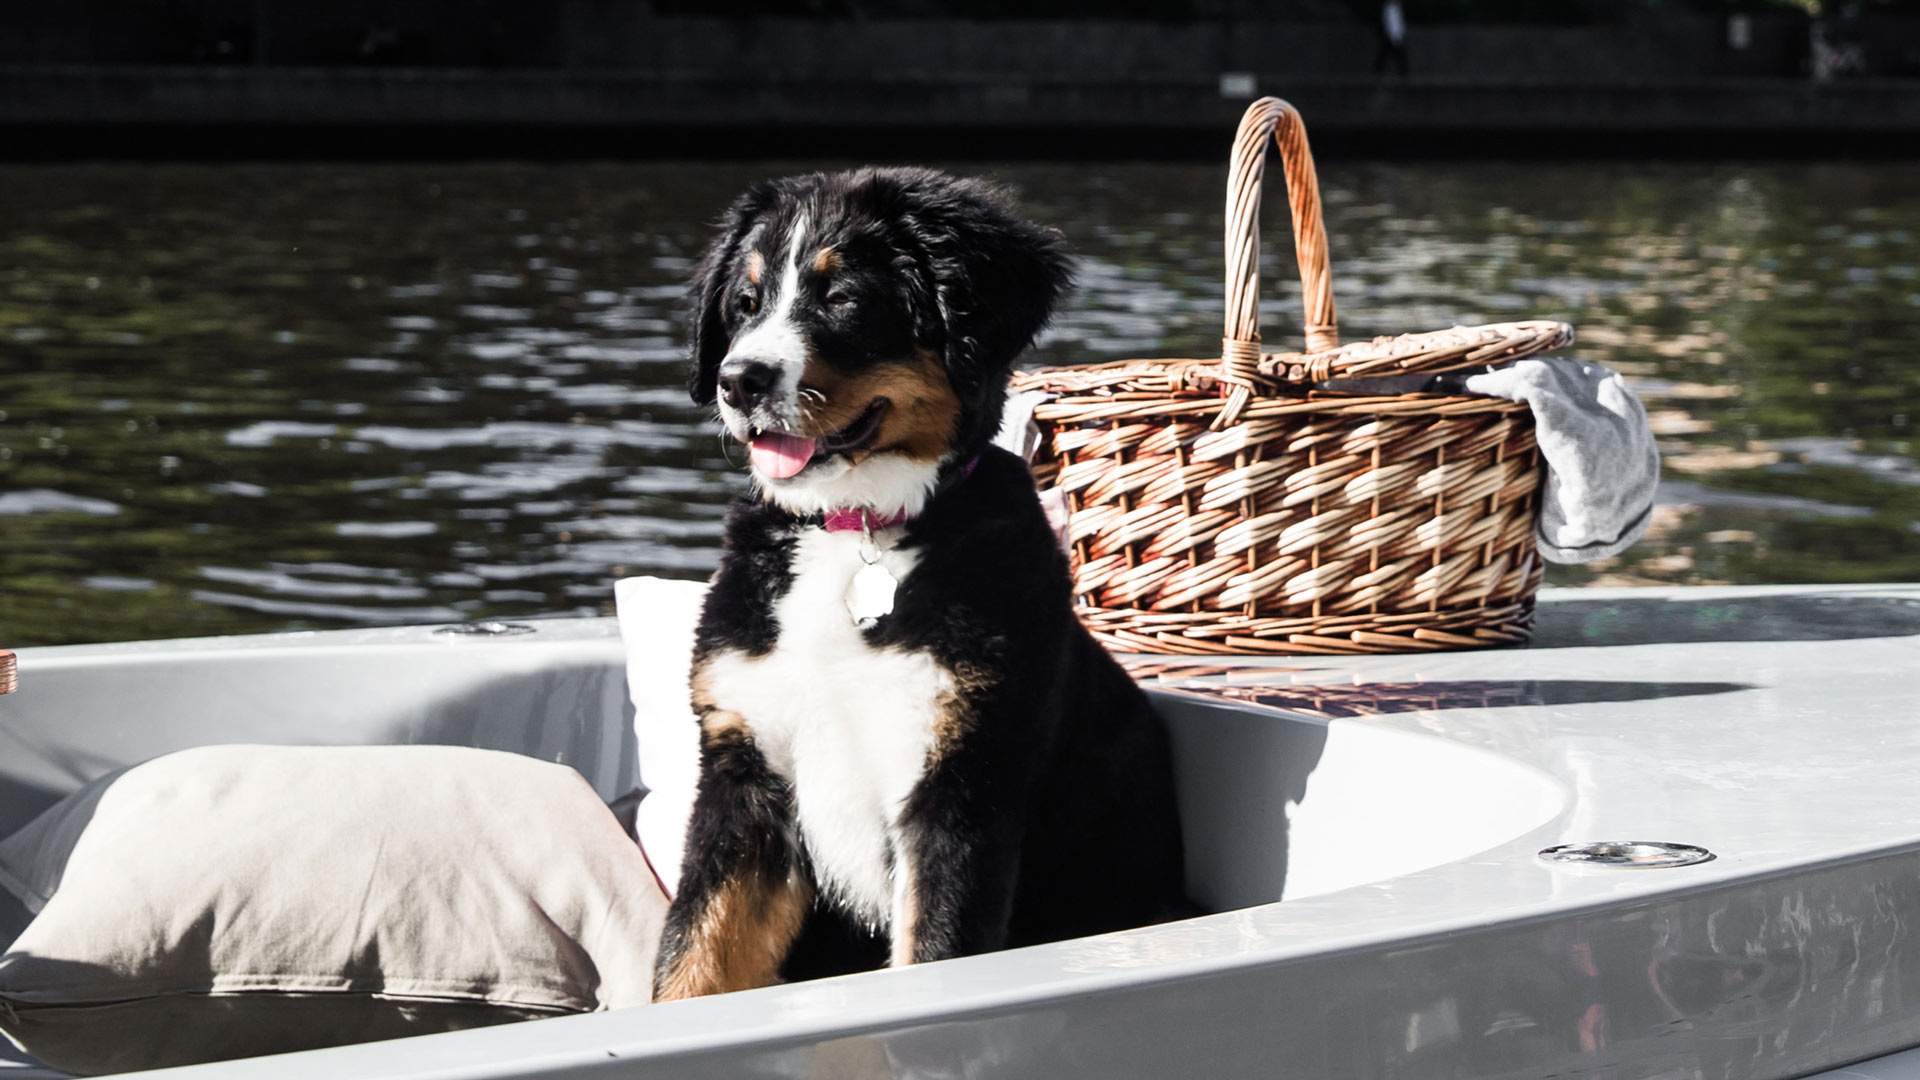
<point>1055,816</point>
<point>1052,813</point>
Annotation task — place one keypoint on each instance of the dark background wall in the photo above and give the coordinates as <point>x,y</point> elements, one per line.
<point>1564,40</point>
<point>1670,68</point>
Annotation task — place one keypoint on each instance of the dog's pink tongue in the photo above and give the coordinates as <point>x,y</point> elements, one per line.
<point>780,456</point>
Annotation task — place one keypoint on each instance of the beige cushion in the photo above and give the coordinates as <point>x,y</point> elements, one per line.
<point>238,900</point>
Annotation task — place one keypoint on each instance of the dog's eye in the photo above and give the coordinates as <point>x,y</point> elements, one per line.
<point>839,298</point>
<point>748,303</point>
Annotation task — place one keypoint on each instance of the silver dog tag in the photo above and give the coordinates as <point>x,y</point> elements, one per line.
<point>870,595</point>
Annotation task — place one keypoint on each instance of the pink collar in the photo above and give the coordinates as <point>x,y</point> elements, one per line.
<point>857,518</point>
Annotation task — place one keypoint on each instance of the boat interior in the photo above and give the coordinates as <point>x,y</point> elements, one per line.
<point>1330,804</point>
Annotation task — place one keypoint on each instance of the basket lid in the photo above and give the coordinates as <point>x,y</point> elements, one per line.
<point>1457,348</point>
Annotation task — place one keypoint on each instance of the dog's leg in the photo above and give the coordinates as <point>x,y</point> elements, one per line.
<point>954,871</point>
<point>743,894</point>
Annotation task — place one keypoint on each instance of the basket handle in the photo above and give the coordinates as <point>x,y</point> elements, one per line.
<point>1272,118</point>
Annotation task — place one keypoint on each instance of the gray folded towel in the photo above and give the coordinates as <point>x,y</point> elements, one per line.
<point>1602,464</point>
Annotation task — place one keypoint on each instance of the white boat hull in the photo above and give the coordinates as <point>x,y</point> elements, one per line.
<point>1368,828</point>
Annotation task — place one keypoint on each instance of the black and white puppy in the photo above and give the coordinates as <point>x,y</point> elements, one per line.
<point>907,741</point>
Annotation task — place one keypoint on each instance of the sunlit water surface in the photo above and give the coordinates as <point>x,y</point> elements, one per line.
<point>270,397</point>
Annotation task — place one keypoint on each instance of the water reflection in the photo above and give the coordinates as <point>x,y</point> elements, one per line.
<point>250,398</point>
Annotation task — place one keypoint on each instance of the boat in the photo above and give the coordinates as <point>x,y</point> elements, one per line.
<point>1677,836</point>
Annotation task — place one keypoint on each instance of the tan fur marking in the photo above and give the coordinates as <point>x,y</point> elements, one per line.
<point>740,939</point>
<point>756,266</point>
<point>826,260</point>
<point>953,720</point>
<point>715,722</point>
<point>925,411</point>
<point>724,724</point>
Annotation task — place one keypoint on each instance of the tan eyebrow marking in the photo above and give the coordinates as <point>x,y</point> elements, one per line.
<point>756,266</point>
<point>826,260</point>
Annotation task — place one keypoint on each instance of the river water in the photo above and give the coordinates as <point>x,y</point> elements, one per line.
<point>262,397</point>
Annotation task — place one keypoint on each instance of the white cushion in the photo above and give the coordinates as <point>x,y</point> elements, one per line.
<point>658,618</point>
<point>236,900</point>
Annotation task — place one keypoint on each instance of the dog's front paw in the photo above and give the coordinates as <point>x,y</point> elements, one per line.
<point>734,939</point>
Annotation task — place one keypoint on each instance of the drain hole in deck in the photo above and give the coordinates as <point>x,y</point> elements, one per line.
<point>1628,854</point>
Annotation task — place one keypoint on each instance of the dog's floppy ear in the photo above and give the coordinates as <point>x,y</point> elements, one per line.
<point>706,330</point>
<point>996,276</point>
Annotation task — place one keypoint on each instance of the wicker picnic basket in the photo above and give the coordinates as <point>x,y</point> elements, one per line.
<point>1244,505</point>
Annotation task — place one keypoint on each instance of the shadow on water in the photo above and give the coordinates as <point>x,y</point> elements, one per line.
<point>1660,621</point>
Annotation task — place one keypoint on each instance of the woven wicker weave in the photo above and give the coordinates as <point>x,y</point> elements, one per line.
<point>1234,505</point>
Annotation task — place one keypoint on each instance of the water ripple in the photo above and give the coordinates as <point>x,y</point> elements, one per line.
<point>46,501</point>
<point>441,392</point>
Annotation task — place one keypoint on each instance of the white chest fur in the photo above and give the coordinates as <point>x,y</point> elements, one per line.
<point>848,725</point>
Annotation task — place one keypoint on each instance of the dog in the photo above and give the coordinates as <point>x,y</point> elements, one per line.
<point>910,750</point>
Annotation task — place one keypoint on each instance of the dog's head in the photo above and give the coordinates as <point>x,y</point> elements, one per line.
<point>857,330</point>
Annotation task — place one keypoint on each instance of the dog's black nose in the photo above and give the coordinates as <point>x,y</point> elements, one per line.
<point>744,381</point>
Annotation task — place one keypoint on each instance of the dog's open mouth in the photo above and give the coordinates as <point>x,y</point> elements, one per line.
<point>780,455</point>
